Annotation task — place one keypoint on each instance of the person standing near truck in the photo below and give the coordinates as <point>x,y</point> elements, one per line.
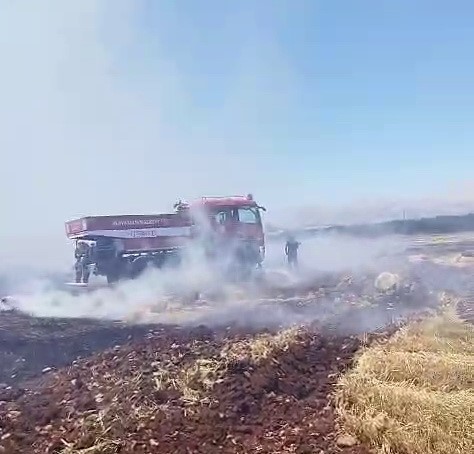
<point>291,251</point>
<point>83,255</point>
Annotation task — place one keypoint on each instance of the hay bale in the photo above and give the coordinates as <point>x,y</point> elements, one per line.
<point>386,282</point>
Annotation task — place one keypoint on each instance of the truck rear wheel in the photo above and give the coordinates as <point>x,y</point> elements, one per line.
<point>138,266</point>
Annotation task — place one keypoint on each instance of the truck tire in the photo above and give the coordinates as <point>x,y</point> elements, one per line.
<point>112,277</point>
<point>138,266</point>
<point>114,272</point>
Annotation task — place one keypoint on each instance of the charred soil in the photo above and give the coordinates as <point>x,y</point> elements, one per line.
<point>81,386</point>
<point>28,345</point>
<point>187,391</point>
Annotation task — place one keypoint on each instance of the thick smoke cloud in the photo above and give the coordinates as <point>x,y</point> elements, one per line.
<point>98,119</point>
<point>100,115</point>
<point>89,126</point>
<point>168,294</point>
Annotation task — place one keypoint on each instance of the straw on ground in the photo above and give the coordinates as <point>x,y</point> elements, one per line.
<point>415,393</point>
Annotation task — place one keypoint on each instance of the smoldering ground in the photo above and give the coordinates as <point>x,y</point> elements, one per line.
<point>334,281</point>
<point>84,104</point>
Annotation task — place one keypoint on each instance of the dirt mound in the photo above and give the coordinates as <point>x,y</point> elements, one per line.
<point>187,391</point>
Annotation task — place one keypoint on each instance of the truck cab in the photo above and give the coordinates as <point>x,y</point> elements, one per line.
<point>234,222</point>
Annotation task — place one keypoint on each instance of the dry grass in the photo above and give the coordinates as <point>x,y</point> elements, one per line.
<point>98,432</point>
<point>438,372</point>
<point>193,381</point>
<point>260,347</point>
<point>101,447</point>
<point>415,393</point>
<point>445,333</point>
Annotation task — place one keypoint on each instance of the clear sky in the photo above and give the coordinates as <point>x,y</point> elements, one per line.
<point>120,106</point>
<point>341,96</point>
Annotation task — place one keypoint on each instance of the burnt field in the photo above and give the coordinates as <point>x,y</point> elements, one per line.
<point>214,380</point>
<point>187,391</point>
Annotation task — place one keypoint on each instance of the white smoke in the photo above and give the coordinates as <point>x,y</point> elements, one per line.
<point>168,295</point>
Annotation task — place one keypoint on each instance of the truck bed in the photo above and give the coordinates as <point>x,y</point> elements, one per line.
<point>130,226</point>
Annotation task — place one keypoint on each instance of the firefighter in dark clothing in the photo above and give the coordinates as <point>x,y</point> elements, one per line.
<point>291,251</point>
<point>83,255</point>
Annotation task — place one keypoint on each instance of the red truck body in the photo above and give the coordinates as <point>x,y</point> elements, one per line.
<point>135,232</point>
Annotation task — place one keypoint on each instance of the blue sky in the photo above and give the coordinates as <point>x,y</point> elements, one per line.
<point>371,97</point>
<point>123,106</point>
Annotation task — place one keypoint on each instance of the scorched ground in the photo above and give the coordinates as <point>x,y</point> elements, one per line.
<point>167,388</point>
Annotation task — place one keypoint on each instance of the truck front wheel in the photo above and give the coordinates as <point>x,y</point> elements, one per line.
<point>114,272</point>
<point>112,277</point>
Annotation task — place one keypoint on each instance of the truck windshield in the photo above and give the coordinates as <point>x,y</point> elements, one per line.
<point>248,215</point>
<point>244,215</point>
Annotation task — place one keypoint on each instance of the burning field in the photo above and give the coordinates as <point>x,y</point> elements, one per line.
<point>239,378</point>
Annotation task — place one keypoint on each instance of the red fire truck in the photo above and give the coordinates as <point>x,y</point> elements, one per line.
<point>123,246</point>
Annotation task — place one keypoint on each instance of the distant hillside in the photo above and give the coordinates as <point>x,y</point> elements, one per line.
<point>428,225</point>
